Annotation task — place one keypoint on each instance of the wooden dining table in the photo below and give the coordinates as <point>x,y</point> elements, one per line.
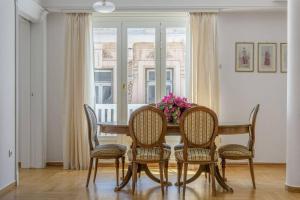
<point>173,130</point>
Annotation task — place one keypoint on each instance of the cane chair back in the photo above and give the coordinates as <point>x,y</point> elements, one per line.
<point>147,126</point>
<point>92,126</point>
<point>198,126</point>
<point>252,120</point>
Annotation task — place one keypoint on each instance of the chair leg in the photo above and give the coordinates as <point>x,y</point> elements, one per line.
<point>166,172</point>
<point>212,176</point>
<point>96,168</point>
<point>161,175</point>
<point>89,173</point>
<point>185,169</point>
<point>223,168</point>
<point>123,166</point>
<point>117,170</point>
<point>179,172</point>
<point>252,172</point>
<point>134,176</point>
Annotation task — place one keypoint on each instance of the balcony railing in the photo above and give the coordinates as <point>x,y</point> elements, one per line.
<point>106,112</point>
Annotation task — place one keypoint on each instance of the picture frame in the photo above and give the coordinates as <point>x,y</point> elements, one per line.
<point>244,56</point>
<point>267,57</point>
<point>283,57</point>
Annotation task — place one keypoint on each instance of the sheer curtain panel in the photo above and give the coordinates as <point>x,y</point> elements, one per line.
<point>78,89</point>
<point>204,83</point>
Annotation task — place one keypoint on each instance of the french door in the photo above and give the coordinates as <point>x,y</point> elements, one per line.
<point>136,63</point>
<point>142,63</point>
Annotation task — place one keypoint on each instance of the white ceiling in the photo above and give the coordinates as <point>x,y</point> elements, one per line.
<point>165,5</point>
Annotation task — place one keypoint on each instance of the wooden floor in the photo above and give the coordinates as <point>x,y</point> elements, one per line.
<point>54,183</point>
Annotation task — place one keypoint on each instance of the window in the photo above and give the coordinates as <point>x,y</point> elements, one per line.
<point>141,64</point>
<point>169,81</point>
<point>175,60</point>
<point>105,67</point>
<point>150,86</point>
<point>138,60</point>
<point>103,85</point>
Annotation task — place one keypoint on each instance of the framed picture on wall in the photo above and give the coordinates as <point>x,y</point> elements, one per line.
<point>283,57</point>
<point>267,56</point>
<point>244,56</point>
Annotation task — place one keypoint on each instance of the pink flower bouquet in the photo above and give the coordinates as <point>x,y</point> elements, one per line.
<point>173,107</point>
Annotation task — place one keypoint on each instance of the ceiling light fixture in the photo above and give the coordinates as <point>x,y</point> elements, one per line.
<point>104,6</point>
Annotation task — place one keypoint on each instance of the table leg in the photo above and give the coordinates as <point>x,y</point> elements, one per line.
<point>202,168</point>
<point>145,168</point>
<point>221,181</point>
<point>205,168</point>
<point>126,179</point>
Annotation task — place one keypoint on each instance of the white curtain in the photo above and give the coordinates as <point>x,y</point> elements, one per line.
<point>78,89</point>
<point>204,82</point>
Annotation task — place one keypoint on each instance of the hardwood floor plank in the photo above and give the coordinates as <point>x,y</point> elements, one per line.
<point>53,183</point>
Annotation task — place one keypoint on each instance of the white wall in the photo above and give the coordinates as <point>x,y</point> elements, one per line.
<point>55,82</point>
<point>7,92</point>
<point>241,91</point>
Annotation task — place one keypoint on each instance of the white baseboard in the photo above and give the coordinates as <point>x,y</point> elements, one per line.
<point>8,188</point>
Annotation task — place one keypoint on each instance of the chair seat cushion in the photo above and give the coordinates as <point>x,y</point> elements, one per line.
<point>234,151</point>
<point>109,150</point>
<point>149,154</point>
<point>178,147</point>
<point>196,154</point>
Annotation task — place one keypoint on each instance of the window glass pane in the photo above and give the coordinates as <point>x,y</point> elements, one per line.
<point>141,57</point>
<point>151,94</point>
<point>105,54</point>
<point>107,95</point>
<point>169,75</point>
<point>175,60</point>
<point>151,75</point>
<point>103,76</point>
<point>168,89</point>
<point>105,68</point>
<point>97,94</point>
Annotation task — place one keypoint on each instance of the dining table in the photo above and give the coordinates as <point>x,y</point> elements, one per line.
<point>226,128</point>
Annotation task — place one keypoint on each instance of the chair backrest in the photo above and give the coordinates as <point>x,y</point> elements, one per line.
<point>199,127</point>
<point>252,120</point>
<point>92,126</point>
<point>147,126</point>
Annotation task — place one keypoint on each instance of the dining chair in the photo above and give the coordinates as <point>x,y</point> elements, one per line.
<point>180,145</point>
<point>102,151</point>
<point>241,152</point>
<point>147,128</point>
<point>165,145</point>
<point>198,128</point>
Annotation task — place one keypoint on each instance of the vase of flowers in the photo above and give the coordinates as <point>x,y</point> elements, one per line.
<point>173,106</point>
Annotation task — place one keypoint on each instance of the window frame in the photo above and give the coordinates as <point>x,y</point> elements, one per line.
<point>111,138</point>
<point>121,21</point>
